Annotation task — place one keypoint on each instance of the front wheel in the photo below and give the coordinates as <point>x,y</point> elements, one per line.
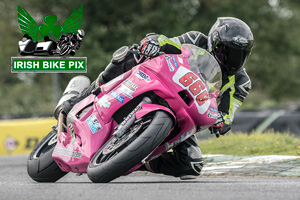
<point>119,155</point>
<point>40,165</point>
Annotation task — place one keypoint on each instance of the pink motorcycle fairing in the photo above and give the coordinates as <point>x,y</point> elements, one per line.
<point>188,82</point>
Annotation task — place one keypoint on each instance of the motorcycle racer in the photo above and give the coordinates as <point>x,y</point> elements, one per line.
<point>230,41</point>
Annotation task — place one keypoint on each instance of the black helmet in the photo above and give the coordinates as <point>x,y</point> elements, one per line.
<point>230,40</point>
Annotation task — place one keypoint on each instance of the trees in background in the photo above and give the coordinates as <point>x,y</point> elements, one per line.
<point>109,24</point>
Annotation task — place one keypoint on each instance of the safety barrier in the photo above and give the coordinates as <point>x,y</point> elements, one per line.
<point>259,121</point>
<point>21,136</point>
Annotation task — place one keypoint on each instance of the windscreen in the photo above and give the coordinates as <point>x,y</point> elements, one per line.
<point>205,65</point>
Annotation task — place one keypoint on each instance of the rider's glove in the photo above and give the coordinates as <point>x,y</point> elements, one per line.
<point>219,127</point>
<point>149,48</point>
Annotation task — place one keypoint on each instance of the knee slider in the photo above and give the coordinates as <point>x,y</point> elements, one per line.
<point>196,161</point>
<point>197,167</point>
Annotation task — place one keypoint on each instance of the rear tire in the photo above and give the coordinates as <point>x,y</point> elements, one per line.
<point>104,167</point>
<point>40,165</point>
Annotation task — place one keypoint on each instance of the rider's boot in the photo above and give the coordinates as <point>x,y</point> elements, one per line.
<point>69,104</point>
<point>185,161</point>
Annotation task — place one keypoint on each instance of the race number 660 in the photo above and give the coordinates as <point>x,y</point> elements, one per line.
<point>195,86</point>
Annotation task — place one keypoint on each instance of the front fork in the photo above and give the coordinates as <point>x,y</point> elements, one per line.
<point>60,124</point>
<point>120,130</point>
<point>130,119</point>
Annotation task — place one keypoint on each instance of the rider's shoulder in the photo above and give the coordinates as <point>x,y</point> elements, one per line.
<point>239,77</point>
<point>194,37</point>
<point>242,78</point>
<point>152,36</point>
<point>194,34</point>
<point>241,74</point>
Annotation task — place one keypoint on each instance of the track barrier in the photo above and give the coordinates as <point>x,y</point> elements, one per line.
<point>22,135</point>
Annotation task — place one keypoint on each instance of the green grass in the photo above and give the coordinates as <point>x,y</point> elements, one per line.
<point>242,144</point>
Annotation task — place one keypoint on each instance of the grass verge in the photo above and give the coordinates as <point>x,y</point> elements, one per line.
<point>269,143</point>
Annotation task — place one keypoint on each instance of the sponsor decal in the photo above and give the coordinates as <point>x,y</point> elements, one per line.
<point>31,142</point>
<point>130,84</point>
<point>142,75</point>
<point>93,123</point>
<point>180,60</point>
<point>213,109</point>
<point>193,84</point>
<point>103,102</point>
<point>212,115</point>
<point>168,59</point>
<point>240,40</point>
<point>181,139</point>
<point>128,88</point>
<point>186,135</point>
<point>117,96</point>
<point>67,152</point>
<point>175,62</point>
<point>72,133</point>
<point>131,115</point>
<point>10,143</point>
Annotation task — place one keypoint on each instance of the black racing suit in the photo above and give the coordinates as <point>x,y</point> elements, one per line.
<point>186,158</point>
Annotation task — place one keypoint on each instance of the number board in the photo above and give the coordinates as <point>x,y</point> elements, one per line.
<point>187,79</point>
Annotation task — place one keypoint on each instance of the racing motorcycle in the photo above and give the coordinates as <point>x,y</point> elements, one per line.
<point>136,117</point>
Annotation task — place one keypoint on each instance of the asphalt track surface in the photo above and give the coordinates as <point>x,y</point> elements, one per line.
<point>16,184</point>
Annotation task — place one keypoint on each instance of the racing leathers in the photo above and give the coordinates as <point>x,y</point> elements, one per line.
<point>235,87</point>
<point>186,158</point>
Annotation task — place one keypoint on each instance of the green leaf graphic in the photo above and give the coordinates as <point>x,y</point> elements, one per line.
<point>50,20</point>
<point>57,30</point>
<point>44,30</point>
<point>27,24</point>
<point>73,22</point>
<point>30,27</point>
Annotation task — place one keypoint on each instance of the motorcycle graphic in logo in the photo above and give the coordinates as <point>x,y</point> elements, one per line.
<point>69,34</point>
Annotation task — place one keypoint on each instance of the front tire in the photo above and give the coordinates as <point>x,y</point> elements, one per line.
<point>123,156</point>
<point>40,165</point>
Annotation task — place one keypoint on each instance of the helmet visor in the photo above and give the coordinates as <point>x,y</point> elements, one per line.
<point>230,59</point>
<point>235,58</point>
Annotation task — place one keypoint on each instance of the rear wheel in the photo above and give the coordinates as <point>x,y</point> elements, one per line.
<point>40,165</point>
<point>119,155</point>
